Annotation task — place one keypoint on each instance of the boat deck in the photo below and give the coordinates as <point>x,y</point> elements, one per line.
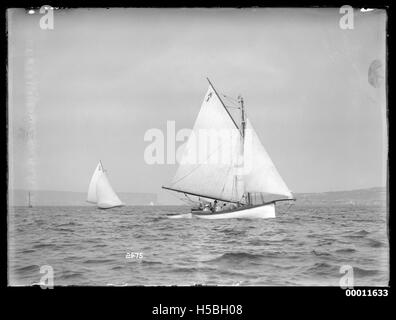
<point>244,207</point>
<point>202,212</point>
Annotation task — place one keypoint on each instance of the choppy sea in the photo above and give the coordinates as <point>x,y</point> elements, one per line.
<point>139,245</point>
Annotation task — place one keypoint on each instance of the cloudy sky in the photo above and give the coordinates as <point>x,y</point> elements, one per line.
<point>89,89</point>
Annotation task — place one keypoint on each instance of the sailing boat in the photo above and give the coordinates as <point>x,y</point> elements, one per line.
<point>100,191</point>
<point>244,182</point>
<point>29,202</point>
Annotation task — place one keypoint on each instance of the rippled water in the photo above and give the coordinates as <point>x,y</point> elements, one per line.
<point>302,246</point>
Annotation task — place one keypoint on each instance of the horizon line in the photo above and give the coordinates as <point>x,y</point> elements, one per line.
<point>148,192</point>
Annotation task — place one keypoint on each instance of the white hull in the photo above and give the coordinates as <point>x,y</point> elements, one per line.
<point>180,216</point>
<point>109,206</point>
<point>262,212</point>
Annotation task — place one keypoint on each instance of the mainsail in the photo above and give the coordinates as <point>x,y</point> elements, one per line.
<point>210,154</point>
<point>92,185</point>
<point>100,191</point>
<point>221,162</point>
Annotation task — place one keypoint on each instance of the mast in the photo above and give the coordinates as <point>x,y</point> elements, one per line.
<point>101,165</point>
<point>243,120</point>
<point>243,129</point>
<point>30,205</point>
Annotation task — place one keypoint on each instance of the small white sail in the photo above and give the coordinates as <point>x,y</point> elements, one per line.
<point>261,173</point>
<point>100,191</point>
<point>92,185</point>
<point>105,194</point>
<point>211,154</point>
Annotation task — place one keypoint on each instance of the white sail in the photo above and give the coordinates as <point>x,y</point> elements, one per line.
<point>92,185</point>
<point>261,174</point>
<point>105,194</point>
<point>207,165</point>
<point>100,191</point>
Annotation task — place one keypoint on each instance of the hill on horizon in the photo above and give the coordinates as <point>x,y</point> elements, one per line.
<point>369,196</point>
<point>19,197</point>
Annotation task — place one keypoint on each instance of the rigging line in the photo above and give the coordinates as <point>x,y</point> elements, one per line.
<point>193,201</point>
<point>288,208</point>
<point>225,181</point>
<point>230,98</point>
<point>199,165</point>
<point>235,186</point>
<point>235,105</point>
<point>178,198</point>
<point>232,101</point>
<point>189,199</point>
<point>232,107</point>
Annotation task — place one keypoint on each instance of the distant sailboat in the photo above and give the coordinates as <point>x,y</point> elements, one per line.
<point>238,194</point>
<point>100,191</point>
<point>29,202</point>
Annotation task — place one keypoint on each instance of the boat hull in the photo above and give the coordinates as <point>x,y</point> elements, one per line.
<point>104,206</point>
<point>266,211</point>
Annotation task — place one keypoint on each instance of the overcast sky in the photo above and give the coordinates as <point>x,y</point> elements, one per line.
<point>89,89</point>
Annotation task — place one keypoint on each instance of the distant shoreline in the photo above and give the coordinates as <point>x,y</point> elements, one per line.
<point>19,198</point>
